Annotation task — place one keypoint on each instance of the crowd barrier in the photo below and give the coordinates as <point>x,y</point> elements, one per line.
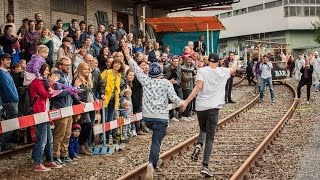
<point>56,114</point>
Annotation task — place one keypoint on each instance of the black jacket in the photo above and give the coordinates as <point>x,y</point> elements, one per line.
<point>98,84</point>
<point>136,96</point>
<point>309,79</point>
<point>196,45</point>
<point>6,42</point>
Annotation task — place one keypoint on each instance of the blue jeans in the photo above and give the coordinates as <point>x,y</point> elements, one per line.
<point>10,111</point>
<point>263,86</point>
<point>43,145</point>
<point>159,130</point>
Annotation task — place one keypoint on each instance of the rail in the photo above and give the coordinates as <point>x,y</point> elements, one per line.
<point>140,171</point>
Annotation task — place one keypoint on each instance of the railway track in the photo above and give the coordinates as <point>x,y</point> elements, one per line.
<point>240,139</point>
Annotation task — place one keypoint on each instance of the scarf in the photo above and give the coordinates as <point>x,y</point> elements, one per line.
<point>44,40</point>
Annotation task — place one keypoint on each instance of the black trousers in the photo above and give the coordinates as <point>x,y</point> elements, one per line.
<point>228,89</point>
<point>300,85</point>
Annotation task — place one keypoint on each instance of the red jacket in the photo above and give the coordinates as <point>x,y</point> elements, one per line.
<point>37,88</point>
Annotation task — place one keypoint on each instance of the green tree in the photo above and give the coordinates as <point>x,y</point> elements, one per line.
<point>316,30</point>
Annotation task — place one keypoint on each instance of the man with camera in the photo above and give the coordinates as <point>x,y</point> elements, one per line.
<point>266,77</point>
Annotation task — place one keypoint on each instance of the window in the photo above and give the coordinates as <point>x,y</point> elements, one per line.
<point>312,11</point>
<point>298,1</point>
<point>10,6</point>
<point>285,2</point>
<point>229,14</point>
<point>300,11</point>
<point>223,15</point>
<point>312,1</point>
<point>292,11</point>
<point>292,2</point>
<point>273,4</point>
<point>306,1</point>
<point>255,8</point>
<point>306,11</point>
<point>286,11</point>
<point>69,6</point>
<point>318,11</point>
<point>318,1</point>
<point>236,12</point>
<point>244,11</point>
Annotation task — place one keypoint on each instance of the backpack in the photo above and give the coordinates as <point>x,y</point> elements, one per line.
<point>25,104</point>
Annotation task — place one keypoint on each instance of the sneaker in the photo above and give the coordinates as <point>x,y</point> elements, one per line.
<point>205,171</point>
<point>185,119</point>
<point>68,160</point>
<point>308,102</point>
<point>150,170</point>
<point>260,101</point>
<point>58,161</point>
<point>175,119</point>
<point>196,152</point>
<point>134,133</point>
<point>273,101</point>
<point>41,168</point>
<point>53,165</point>
<point>191,118</point>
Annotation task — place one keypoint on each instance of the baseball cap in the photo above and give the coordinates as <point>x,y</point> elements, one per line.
<point>213,57</point>
<point>5,55</point>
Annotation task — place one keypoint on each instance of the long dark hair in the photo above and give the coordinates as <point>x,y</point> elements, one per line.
<point>43,68</point>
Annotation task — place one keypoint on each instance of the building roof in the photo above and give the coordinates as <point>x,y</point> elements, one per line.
<point>174,5</point>
<point>185,24</point>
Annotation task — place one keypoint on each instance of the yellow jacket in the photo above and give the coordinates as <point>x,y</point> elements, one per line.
<point>111,83</point>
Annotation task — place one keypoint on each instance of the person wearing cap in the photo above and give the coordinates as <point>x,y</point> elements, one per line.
<point>210,92</point>
<point>74,142</point>
<point>156,95</point>
<point>9,98</point>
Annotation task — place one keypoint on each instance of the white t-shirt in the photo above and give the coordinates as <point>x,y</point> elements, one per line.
<point>212,93</point>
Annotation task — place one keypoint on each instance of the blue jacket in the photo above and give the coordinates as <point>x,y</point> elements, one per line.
<point>64,99</point>
<point>8,90</point>
<point>73,147</point>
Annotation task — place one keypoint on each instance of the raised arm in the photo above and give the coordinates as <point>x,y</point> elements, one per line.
<point>143,78</point>
<point>233,67</point>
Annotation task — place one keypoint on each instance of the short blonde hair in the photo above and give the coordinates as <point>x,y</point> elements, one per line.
<point>42,48</point>
<point>126,91</point>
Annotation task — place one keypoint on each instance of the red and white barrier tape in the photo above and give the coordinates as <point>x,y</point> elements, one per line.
<point>56,114</point>
<point>52,115</point>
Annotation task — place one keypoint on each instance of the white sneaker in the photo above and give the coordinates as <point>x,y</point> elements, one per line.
<point>191,118</point>
<point>185,119</point>
<point>175,119</point>
<point>150,170</point>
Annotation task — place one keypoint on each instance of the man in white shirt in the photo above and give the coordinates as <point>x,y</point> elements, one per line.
<point>57,42</point>
<point>266,77</point>
<point>210,92</point>
<point>10,21</point>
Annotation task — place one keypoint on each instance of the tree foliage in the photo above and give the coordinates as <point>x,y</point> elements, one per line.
<point>316,30</point>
